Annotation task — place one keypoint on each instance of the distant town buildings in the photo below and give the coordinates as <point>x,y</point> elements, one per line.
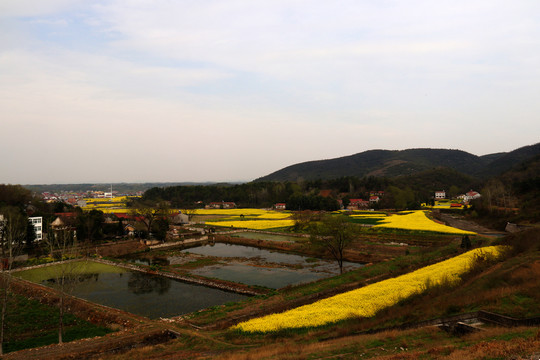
<point>221,205</point>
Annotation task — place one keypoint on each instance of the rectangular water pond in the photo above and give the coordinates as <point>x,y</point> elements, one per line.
<point>140,293</point>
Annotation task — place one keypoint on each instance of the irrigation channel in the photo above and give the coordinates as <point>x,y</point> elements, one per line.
<point>186,277</point>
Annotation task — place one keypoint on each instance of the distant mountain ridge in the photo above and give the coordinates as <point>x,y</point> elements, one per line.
<point>392,163</point>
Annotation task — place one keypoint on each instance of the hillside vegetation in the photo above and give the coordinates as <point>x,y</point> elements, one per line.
<point>391,163</point>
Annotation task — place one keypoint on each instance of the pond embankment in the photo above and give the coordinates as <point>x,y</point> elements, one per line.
<point>192,279</point>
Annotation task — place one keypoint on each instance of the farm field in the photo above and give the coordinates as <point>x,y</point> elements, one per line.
<point>107,205</point>
<point>214,334</point>
<point>418,221</point>
<point>410,257</point>
<point>32,324</point>
<point>367,301</point>
<point>345,339</point>
<point>266,219</point>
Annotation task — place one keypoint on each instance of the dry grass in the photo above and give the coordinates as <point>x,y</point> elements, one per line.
<point>403,345</point>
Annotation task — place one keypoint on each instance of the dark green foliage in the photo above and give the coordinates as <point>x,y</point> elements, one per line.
<point>90,225</point>
<point>425,183</point>
<point>302,202</point>
<point>14,195</point>
<point>31,324</point>
<point>29,237</point>
<point>244,195</point>
<point>508,160</point>
<point>406,162</point>
<point>160,228</point>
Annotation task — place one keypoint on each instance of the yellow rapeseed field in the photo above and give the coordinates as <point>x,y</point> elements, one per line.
<point>366,301</point>
<point>235,212</point>
<point>417,220</point>
<point>367,215</point>
<point>253,224</point>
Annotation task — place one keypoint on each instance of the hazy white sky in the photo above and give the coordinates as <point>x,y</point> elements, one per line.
<point>160,90</point>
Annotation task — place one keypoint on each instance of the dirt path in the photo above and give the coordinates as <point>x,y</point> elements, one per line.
<point>457,221</point>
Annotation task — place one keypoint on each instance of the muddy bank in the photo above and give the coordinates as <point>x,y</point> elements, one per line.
<point>356,253</point>
<point>120,248</point>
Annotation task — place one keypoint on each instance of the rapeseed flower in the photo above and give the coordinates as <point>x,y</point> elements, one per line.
<point>417,220</point>
<point>366,301</point>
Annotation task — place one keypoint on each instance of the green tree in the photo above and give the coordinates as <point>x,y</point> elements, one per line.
<point>90,225</point>
<point>30,236</point>
<point>332,234</point>
<point>453,192</point>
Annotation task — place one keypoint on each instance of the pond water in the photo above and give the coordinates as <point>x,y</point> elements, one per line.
<point>254,266</point>
<point>144,294</point>
<point>268,237</point>
<point>270,277</point>
<point>242,251</point>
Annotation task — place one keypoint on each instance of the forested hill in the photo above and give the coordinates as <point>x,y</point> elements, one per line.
<point>391,163</point>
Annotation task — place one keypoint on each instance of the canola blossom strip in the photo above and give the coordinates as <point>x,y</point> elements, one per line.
<point>274,215</point>
<point>253,224</point>
<point>366,301</point>
<point>417,220</point>
<point>368,215</point>
<point>237,212</point>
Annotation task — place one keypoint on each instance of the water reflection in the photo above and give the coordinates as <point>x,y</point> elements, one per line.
<point>231,250</point>
<point>155,260</point>
<point>270,277</point>
<point>140,283</point>
<point>139,293</point>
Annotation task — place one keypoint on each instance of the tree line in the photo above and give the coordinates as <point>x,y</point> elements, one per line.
<point>400,193</point>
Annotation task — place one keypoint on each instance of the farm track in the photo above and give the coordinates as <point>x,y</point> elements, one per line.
<point>460,223</point>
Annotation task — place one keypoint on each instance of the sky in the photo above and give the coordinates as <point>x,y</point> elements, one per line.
<point>232,90</point>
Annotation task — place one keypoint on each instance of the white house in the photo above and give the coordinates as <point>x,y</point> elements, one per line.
<point>470,195</point>
<point>440,194</point>
<point>37,221</point>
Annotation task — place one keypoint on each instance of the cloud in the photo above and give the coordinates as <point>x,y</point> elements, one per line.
<point>29,8</point>
<point>161,90</point>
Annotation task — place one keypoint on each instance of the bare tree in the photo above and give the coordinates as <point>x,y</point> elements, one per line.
<point>12,233</point>
<point>148,213</point>
<point>65,248</point>
<point>189,212</point>
<point>332,234</point>
<point>304,218</point>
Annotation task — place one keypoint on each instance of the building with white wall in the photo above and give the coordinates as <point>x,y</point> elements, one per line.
<point>37,221</point>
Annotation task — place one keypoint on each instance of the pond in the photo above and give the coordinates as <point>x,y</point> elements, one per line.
<point>268,237</point>
<point>269,277</point>
<point>243,251</point>
<point>253,266</point>
<point>140,293</point>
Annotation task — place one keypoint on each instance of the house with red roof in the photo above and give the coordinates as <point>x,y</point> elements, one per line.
<point>280,206</point>
<point>358,204</point>
<point>221,205</point>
